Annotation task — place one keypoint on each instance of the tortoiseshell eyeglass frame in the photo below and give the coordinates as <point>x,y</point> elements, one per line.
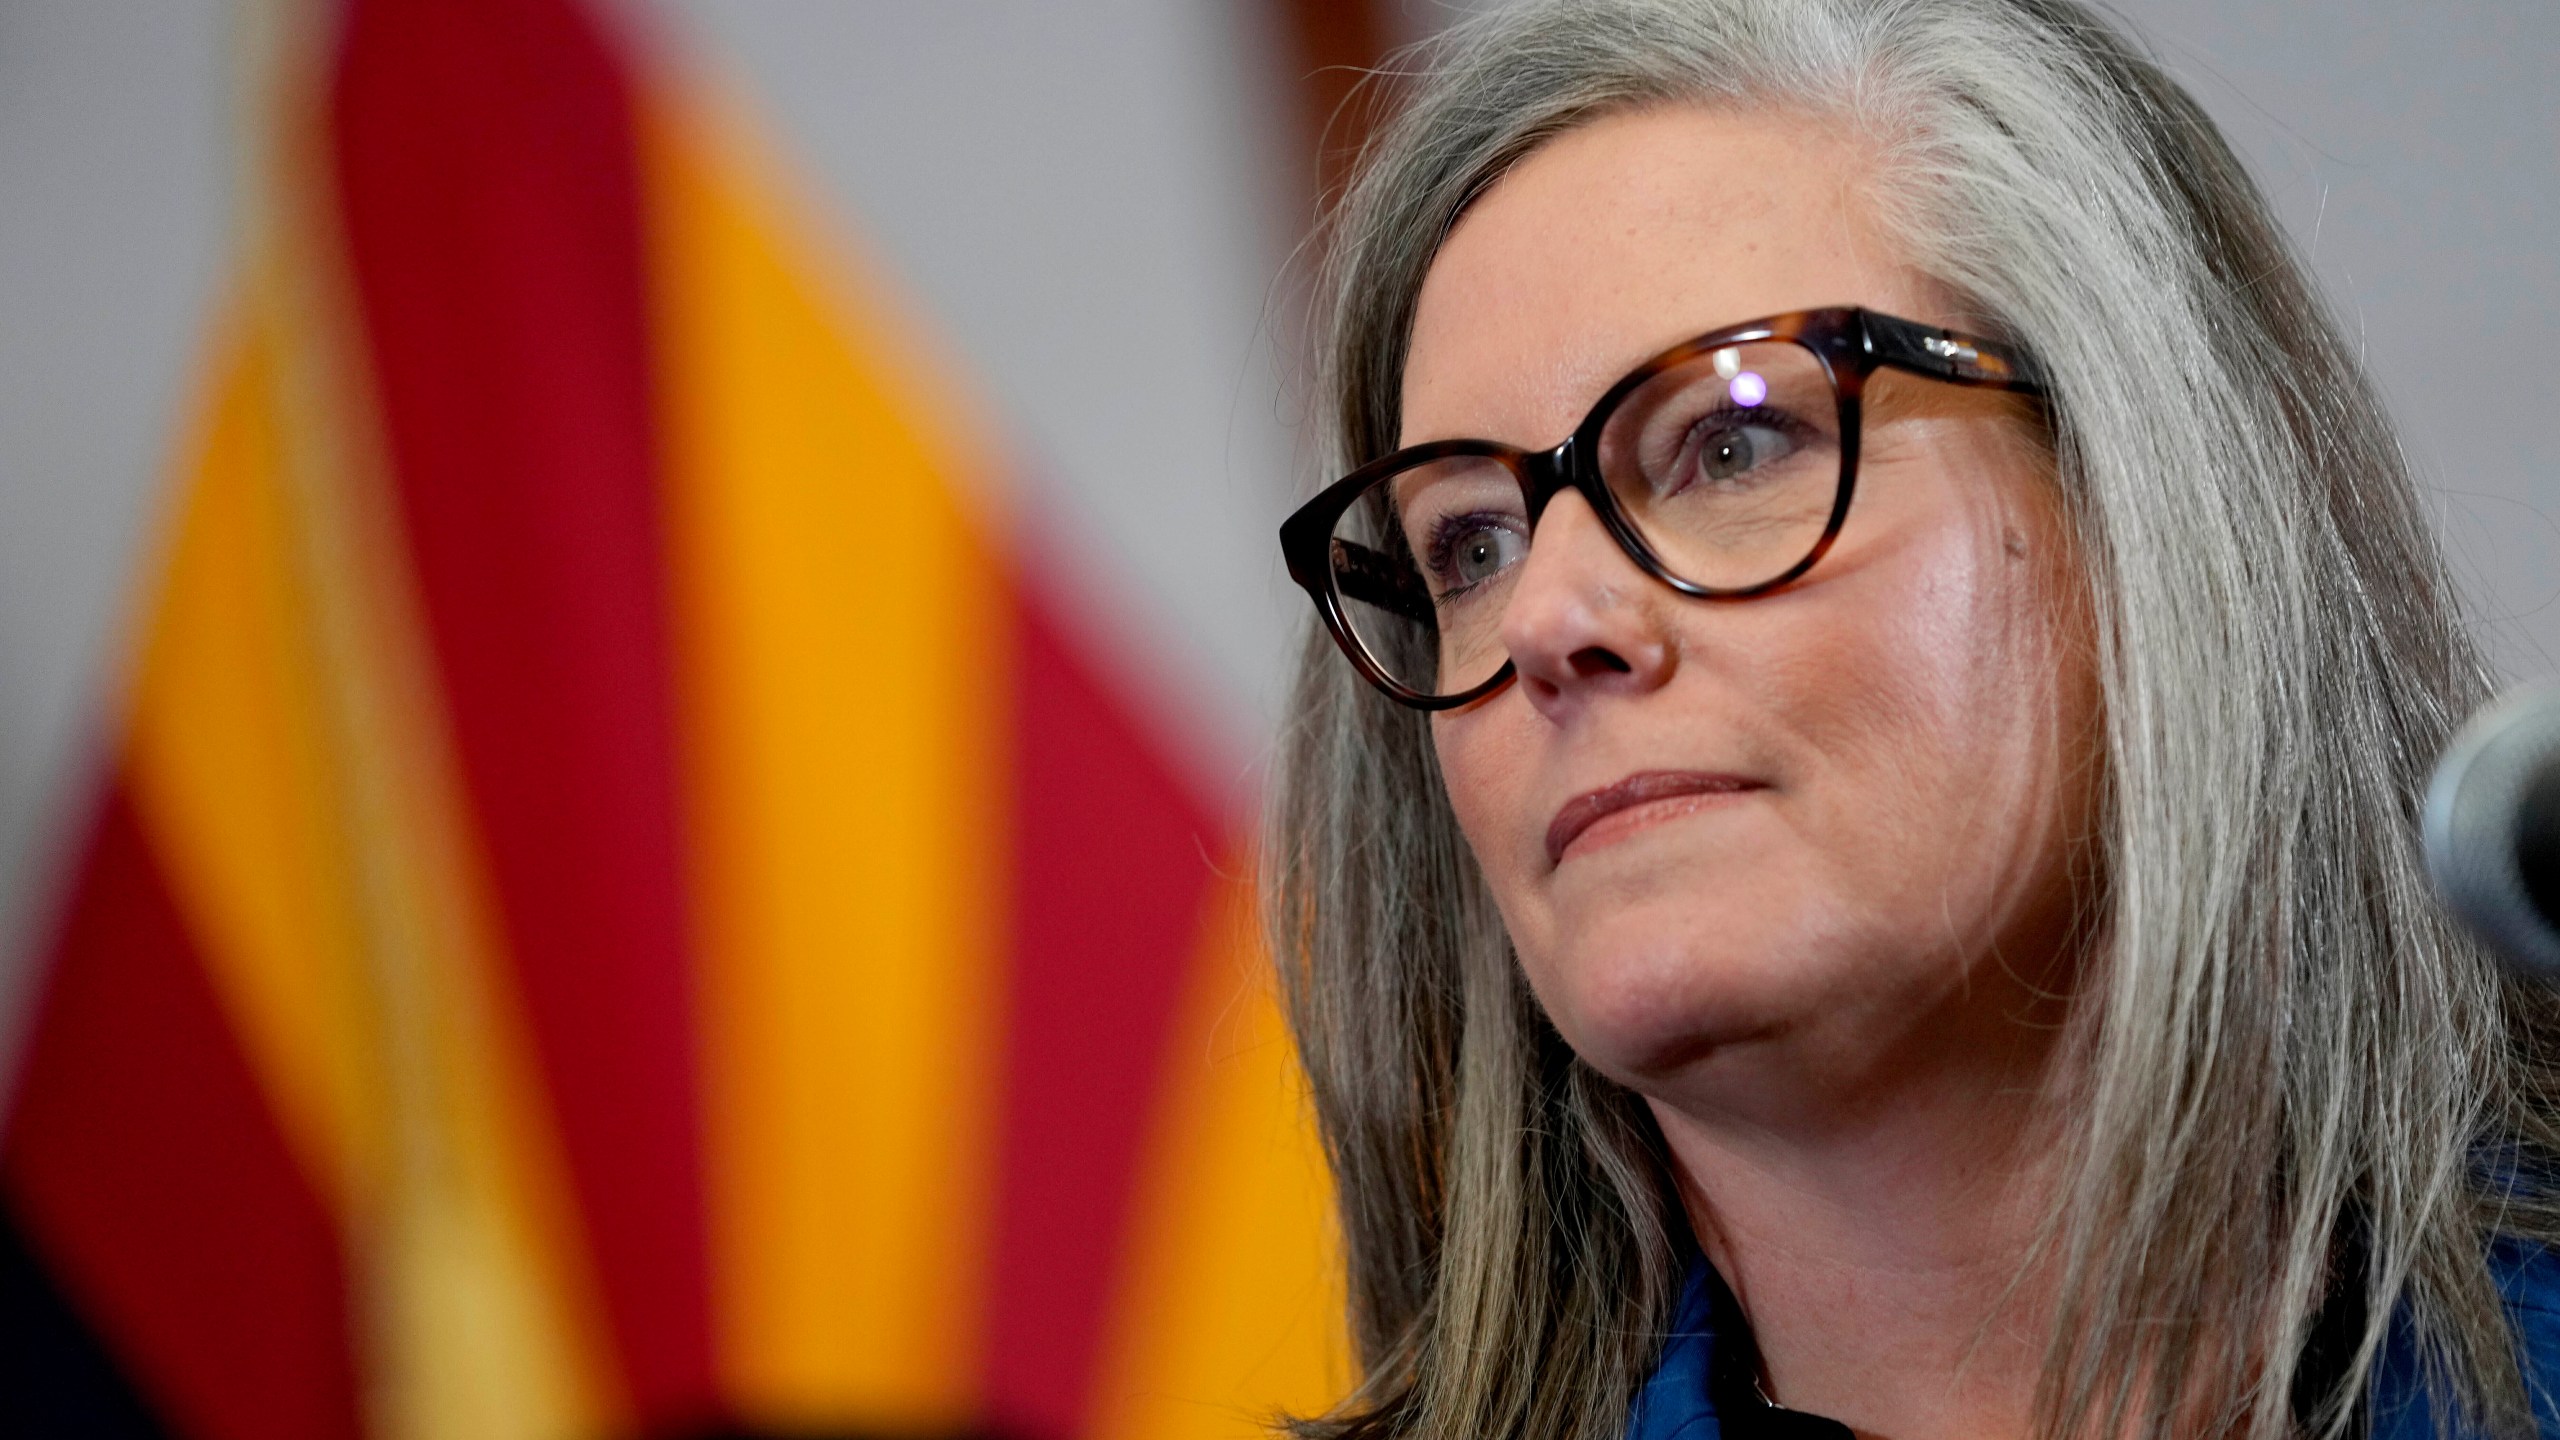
<point>1851,345</point>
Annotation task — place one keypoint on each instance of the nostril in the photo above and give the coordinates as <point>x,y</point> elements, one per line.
<point>1597,660</point>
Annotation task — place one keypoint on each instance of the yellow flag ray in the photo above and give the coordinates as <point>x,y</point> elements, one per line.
<point>841,653</point>
<point>233,777</point>
<point>258,768</point>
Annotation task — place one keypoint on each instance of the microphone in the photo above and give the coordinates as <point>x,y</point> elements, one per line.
<point>2493,829</point>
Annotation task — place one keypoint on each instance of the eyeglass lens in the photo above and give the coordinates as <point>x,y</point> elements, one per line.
<point>1727,464</point>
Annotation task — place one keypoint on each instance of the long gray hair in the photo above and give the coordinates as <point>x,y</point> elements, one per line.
<point>2292,1087</point>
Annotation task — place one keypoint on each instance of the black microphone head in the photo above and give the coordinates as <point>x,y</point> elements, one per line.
<point>2493,828</point>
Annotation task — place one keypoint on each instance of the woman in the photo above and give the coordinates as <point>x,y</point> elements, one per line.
<point>1952,963</point>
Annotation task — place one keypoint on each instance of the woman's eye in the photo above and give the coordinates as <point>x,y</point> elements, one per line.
<point>1725,450</point>
<point>1476,550</point>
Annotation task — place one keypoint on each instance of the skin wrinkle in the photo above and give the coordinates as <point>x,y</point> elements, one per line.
<point>1836,993</point>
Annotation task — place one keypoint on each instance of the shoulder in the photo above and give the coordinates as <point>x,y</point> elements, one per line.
<point>2528,1275</point>
<point>2528,1279</point>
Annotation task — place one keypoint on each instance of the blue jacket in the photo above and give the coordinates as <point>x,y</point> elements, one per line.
<point>1704,1389</point>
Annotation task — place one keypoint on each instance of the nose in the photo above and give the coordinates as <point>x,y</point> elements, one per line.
<point>1582,620</point>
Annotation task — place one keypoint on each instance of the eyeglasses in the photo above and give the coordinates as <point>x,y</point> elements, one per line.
<point>1722,466</point>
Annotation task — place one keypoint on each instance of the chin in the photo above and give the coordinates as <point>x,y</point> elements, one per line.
<point>1653,988</point>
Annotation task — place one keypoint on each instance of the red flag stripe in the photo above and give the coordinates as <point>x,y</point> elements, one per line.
<point>149,1173</point>
<point>1110,872</point>
<point>485,161</point>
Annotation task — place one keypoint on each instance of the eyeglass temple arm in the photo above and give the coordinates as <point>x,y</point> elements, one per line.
<point>1948,355</point>
<point>1363,574</point>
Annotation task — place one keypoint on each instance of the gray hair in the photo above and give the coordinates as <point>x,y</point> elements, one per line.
<point>2291,1082</point>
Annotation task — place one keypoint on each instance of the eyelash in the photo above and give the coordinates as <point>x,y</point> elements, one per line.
<point>1730,415</point>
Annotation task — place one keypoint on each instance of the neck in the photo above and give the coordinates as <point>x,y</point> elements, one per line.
<point>1877,1250</point>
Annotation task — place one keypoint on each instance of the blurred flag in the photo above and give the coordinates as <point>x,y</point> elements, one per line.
<point>624,905</point>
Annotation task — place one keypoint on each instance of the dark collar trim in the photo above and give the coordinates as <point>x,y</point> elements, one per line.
<point>1733,1378</point>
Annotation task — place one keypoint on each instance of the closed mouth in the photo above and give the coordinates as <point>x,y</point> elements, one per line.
<point>1643,788</point>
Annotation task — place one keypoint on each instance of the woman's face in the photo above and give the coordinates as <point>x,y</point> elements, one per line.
<point>1897,750</point>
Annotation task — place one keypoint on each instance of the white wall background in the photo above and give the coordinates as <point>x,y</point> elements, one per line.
<point>2414,151</point>
<point>1090,202</point>
<point>115,189</point>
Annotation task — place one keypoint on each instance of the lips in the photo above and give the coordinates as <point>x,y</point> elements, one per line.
<point>1643,788</point>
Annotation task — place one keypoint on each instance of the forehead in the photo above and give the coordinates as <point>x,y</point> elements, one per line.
<point>1628,235</point>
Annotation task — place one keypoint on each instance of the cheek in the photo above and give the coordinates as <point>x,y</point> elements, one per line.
<point>1490,760</point>
<point>1955,747</point>
<point>1924,677</point>
<point>1484,757</point>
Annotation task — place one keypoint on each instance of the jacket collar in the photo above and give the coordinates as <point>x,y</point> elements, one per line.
<point>1706,1384</point>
